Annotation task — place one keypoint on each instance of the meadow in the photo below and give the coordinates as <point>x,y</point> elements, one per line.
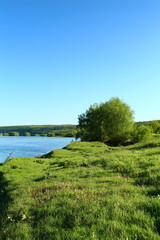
<point>87,190</point>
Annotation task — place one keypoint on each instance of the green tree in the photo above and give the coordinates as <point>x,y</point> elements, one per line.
<point>27,134</point>
<point>118,121</point>
<point>110,122</point>
<point>91,124</point>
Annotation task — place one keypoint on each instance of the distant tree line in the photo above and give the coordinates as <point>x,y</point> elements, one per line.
<point>41,130</point>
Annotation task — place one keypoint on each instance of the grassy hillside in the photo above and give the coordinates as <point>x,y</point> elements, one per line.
<point>85,191</point>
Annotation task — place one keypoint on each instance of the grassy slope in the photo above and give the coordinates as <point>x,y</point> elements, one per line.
<point>85,191</point>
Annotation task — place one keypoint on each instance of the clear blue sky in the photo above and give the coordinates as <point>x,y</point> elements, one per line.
<point>57,57</point>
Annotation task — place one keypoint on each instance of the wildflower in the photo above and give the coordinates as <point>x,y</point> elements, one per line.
<point>23,217</point>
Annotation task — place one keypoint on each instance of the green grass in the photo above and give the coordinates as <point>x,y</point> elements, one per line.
<point>84,191</point>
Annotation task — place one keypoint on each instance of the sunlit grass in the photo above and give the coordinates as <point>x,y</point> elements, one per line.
<point>85,191</point>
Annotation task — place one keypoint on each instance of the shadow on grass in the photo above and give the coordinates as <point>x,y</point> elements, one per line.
<point>145,145</point>
<point>5,199</point>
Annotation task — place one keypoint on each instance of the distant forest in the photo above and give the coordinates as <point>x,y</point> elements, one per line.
<point>148,123</point>
<point>40,130</point>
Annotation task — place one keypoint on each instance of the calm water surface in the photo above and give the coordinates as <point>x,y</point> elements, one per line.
<point>30,146</point>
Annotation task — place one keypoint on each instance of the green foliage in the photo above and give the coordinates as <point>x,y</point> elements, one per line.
<point>27,134</point>
<point>63,133</point>
<point>155,125</point>
<point>86,191</point>
<point>110,122</point>
<point>13,133</point>
<point>91,124</point>
<point>158,130</point>
<point>51,134</point>
<point>141,133</point>
<point>5,134</point>
<point>118,121</point>
<point>37,129</point>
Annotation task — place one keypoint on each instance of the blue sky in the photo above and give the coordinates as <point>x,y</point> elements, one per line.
<point>58,57</point>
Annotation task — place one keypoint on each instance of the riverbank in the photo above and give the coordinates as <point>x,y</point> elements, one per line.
<point>30,146</point>
<point>85,191</point>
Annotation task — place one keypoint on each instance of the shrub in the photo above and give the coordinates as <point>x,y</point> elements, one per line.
<point>141,133</point>
<point>27,134</point>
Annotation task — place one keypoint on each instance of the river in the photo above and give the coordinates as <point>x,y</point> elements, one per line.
<point>30,146</point>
